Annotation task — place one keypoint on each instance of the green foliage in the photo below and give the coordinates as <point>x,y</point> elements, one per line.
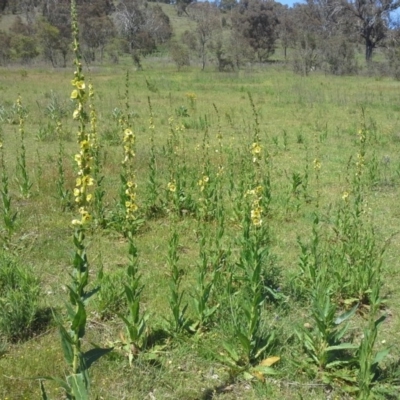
<point>9,216</point>
<point>179,321</point>
<point>20,296</point>
<point>109,299</point>
<point>23,48</point>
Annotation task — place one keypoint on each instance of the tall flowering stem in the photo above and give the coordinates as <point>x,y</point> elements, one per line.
<point>77,383</point>
<point>23,180</point>
<point>83,198</point>
<point>128,198</point>
<point>254,255</point>
<point>9,217</point>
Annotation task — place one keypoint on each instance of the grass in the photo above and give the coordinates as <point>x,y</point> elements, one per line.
<point>320,116</point>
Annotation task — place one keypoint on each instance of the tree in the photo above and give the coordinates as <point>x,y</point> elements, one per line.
<point>49,38</point>
<point>286,28</point>
<point>5,47</point>
<point>96,33</point>
<point>57,13</point>
<point>372,20</point>
<point>142,26</point>
<point>256,21</point>
<point>181,6</point>
<point>23,48</point>
<point>208,22</point>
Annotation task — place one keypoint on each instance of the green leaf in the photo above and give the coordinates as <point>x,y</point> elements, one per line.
<point>380,356</point>
<point>244,341</point>
<point>231,351</point>
<point>78,386</point>
<point>247,376</point>
<point>79,321</point>
<point>94,354</point>
<point>66,344</point>
<point>346,315</point>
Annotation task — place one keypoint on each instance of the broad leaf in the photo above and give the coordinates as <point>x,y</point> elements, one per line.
<point>78,386</point>
<point>231,351</point>
<point>346,315</point>
<point>66,344</point>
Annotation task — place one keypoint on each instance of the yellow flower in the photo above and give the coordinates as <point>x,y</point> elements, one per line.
<point>257,221</point>
<point>172,187</point>
<point>345,196</point>
<point>86,217</point>
<point>317,164</point>
<point>84,144</point>
<point>74,94</point>
<point>88,180</point>
<point>256,148</point>
<point>77,192</point>
<point>128,134</point>
<point>80,85</point>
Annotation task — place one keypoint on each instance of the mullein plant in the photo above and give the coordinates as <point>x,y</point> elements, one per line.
<point>130,221</point>
<point>355,254</point>
<point>254,341</point>
<point>135,321</point>
<point>23,179</point>
<point>326,341</point>
<point>9,216</point>
<point>77,383</point>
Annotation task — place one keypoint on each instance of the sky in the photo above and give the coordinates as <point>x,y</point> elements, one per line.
<point>289,2</point>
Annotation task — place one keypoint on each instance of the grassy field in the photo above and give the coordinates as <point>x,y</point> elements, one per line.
<point>312,133</point>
